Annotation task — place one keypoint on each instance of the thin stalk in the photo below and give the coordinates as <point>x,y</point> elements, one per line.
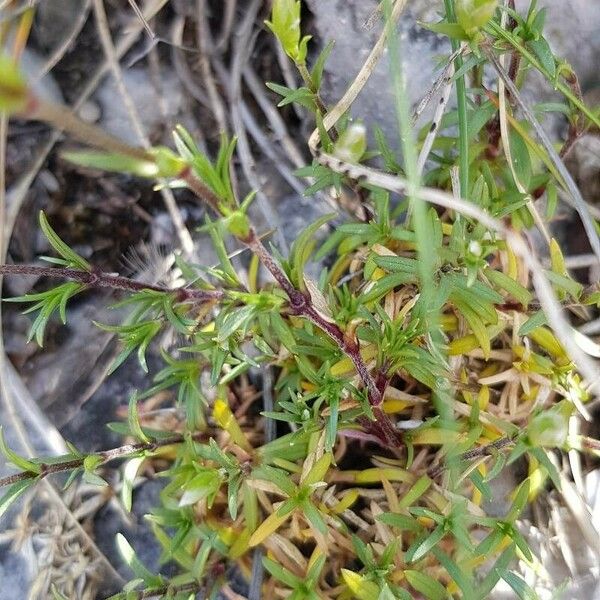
<point>310,84</point>
<point>64,119</point>
<point>99,279</point>
<point>301,305</point>
<point>461,101</point>
<point>105,456</point>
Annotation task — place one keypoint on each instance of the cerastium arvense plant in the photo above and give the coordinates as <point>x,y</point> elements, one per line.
<point>415,368</point>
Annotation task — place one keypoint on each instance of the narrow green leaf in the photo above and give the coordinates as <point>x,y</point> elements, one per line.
<point>424,544</point>
<point>117,163</point>
<point>317,71</point>
<point>519,503</point>
<point>520,586</point>
<point>426,585</point>
<point>536,320</point>
<point>401,522</point>
<point>132,561</point>
<point>543,53</point>
<point>416,491</point>
<point>462,579</point>
<point>282,574</point>
<point>303,246</point>
<point>508,284</point>
<point>133,420</point>
<point>18,461</point>
<point>314,517</point>
<point>498,570</point>
<point>452,30</point>
<point>13,492</point>
<point>129,474</point>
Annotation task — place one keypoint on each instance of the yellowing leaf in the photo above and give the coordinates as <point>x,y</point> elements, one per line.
<point>546,339</point>
<point>345,366</point>
<point>359,586</point>
<point>483,397</point>
<point>226,420</point>
<point>270,525</point>
<point>13,88</point>
<point>346,502</point>
<point>318,470</point>
<point>375,475</point>
<point>391,407</point>
<point>479,330</point>
<point>434,436</point>
<point>240,545</point>
<point>557,259</point>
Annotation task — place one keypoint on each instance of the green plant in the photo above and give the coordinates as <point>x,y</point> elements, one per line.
<point>425,314</point>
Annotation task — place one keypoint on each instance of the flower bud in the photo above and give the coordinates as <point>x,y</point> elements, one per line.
<point>238,224</point>
<point>352,144</point>
<point>472,15</point>
<point>285,24</point>
<point>167,162</point>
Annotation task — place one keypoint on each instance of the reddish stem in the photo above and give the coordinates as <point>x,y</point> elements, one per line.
<point>99,279</point>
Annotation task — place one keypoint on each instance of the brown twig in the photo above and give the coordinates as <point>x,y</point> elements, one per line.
<point>300,303</point>
<point>104,455</point>
<point>99,279</point>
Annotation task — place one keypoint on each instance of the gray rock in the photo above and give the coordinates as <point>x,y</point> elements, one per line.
<point>347,24</point>
<point>154,110</point>
<point>45,86</point>
<point>14,574</point>
<point>571,28</point>
<point>53,19</point>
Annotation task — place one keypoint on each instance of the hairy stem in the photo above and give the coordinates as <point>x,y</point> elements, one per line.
<point>99,279</point>
<point>105,456</point>
<point>201,190</point>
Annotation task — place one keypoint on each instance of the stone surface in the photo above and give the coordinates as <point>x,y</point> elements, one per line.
<point>571,29</point>
<point>347,24</point>
<point>155,110</point>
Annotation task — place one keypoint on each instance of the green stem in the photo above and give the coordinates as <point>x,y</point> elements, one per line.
<point>461,99</point>
<point>310,84</point>
<point>496,30</point>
